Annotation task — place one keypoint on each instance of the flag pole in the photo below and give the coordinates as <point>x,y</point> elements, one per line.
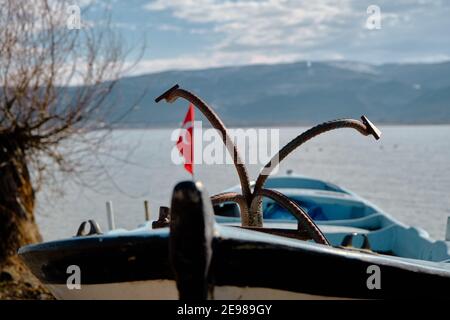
<point>191,107</point>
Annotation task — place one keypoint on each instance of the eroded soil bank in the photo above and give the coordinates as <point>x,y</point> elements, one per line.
<point>17,282</point>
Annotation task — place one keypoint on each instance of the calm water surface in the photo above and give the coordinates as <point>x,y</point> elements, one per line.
<point>406,173</point>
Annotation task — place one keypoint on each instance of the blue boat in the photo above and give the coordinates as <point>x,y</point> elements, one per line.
<point>345,218</point>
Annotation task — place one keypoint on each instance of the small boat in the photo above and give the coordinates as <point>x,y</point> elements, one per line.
<point>212,256</point>
<point>282,237</point>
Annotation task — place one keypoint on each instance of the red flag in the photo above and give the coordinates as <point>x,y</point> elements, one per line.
<point>185,143</point>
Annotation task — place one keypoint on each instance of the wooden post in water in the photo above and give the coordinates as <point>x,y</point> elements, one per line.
<point>110,215</point>
<point>147,211</point>
<point>447,233</point>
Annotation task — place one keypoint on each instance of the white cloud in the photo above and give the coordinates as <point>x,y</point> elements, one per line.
<point>260,23</point>
<point>168,27</point>
<point>238,32</point>
<point>219,59</point>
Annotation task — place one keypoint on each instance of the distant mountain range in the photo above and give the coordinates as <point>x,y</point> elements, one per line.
<point>296,93</point>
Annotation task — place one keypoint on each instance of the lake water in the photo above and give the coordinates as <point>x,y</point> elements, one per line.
<point>406,173</point>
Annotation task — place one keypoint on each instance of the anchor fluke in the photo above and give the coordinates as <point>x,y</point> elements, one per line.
<point>371,128</point>
<point>167,95</point>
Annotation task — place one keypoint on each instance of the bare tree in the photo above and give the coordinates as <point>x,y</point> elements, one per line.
<point>40,61</point>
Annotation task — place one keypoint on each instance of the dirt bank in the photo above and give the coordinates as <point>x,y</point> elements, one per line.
<point>17,282</point>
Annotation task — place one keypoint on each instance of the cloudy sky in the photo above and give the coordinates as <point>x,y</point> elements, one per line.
<point>193,34</point>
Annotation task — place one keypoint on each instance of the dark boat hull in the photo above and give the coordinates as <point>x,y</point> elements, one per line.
<point>242,259</point>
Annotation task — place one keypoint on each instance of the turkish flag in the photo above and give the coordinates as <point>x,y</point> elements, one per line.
<point>185,143</point>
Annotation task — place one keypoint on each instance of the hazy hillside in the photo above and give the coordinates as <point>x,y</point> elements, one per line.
<point>298,93</point>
